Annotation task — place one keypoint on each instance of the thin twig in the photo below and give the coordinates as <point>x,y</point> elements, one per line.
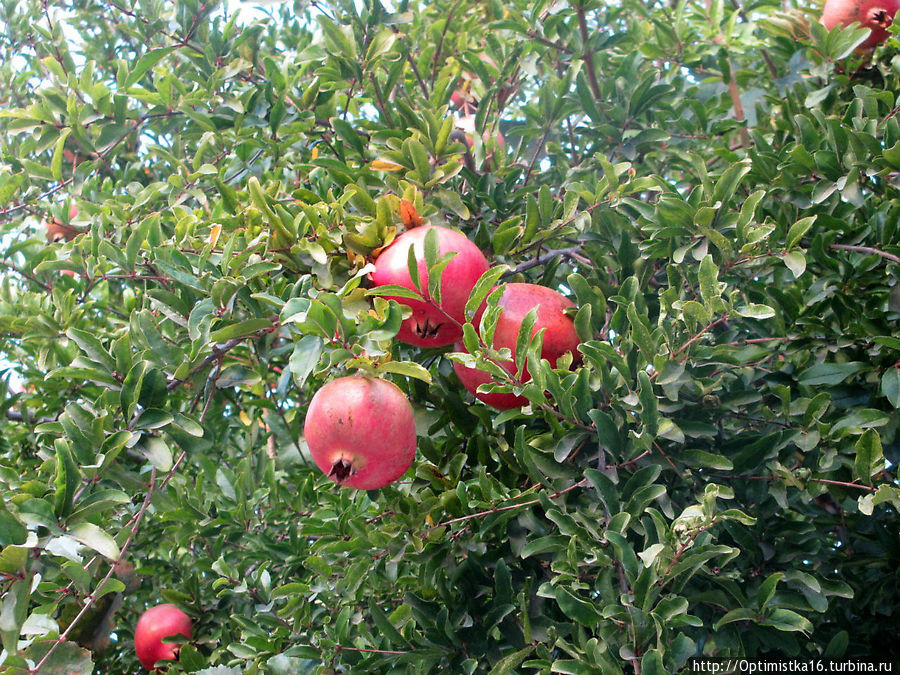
<point>542,259</point>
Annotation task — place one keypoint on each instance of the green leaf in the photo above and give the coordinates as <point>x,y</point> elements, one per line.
<point>93,537</point>
<point>798,229</point>
<point>393,291</point>
<point>787,620</point>
<point>767,589</point>
<point>241,329</point>
<point>510,662</point>
<point>796,263</point>
<point>67,658</point>
<point>407,368</point>
<point>830,373</point>
<point>649,404</point>
<point>158,453</point>
<point>91,346</point>
<point>305,357</point>
<point>755,311</point>
<point>652,663</point>
<point>869,456</point>
<point>385,627</point>
<point>145,63</point>
<point>575,608</point>
<point>67,480</point>
<point>740,614</point>
<point>890,386</point>
<point>709,286</point>
<point>56,162</point>
<point>483,287</point>
<point>729,181</point>
<point>12,531</point>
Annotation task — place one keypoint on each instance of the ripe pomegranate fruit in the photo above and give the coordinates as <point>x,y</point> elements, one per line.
<point>559,337</point>
<point>877,15</point>
<point>432,325</point>
<point>156,624</point>
<point>361,432</point>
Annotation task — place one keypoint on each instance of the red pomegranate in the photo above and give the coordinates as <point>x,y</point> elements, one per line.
<point>156,624</point>
<point>876,15</point>
<point>361,432</point>
<point>559,337</point>
<point>431,325</point>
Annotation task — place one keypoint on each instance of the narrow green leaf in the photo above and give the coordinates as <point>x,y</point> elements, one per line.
<point>709,286</point>
<point>407,368</point>
<point>510,662</point>
<point>649,404</point>
<point>145,63</point>
<point>56,161</point>
<point>67,479</point>
<point>241,329</point>
<point>482,289</point>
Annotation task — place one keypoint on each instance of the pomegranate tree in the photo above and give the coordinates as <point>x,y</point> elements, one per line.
<point>559,337</point>
<point>432,324</point>
<point>155,625</point>
<point>361,432</point>
<point>877,15</point>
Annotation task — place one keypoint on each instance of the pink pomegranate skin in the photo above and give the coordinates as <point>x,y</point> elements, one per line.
<point>429,325</point>
<point>361,432</point>
<point>154,626</point>
<point>876,15</point>
<point>559,337</point>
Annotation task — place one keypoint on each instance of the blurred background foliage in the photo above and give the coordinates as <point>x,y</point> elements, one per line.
<point>713,183</point>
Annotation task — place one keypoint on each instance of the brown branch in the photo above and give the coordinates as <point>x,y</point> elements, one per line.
<point>699,335</point>
<point>738,106</point>
<point>341,648</point>
<point>92,598</point>
<point>550,43</point>
<point>586,55</point>
<point>542,259</point>
<point>380,101</point>
<point>867,249</point>
<point>440,44</point>
<point>216,354</point>
<point>508,507</point>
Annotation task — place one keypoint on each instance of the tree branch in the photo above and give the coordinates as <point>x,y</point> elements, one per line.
<point>867,249</point>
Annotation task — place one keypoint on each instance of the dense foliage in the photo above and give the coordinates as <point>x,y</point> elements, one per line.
<point>715,186</point>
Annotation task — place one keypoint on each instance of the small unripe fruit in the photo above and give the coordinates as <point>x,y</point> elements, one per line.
<point>559,337</point>
<point>361,432</point>
<point>156,624</point>
<point>432,325</point>
<point>877,15</point>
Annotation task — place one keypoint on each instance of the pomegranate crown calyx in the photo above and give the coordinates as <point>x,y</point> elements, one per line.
<point>341,470</point>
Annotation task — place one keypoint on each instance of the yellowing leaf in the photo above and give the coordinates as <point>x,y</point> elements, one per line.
<point>214,234</point>
<point>385,165</point>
